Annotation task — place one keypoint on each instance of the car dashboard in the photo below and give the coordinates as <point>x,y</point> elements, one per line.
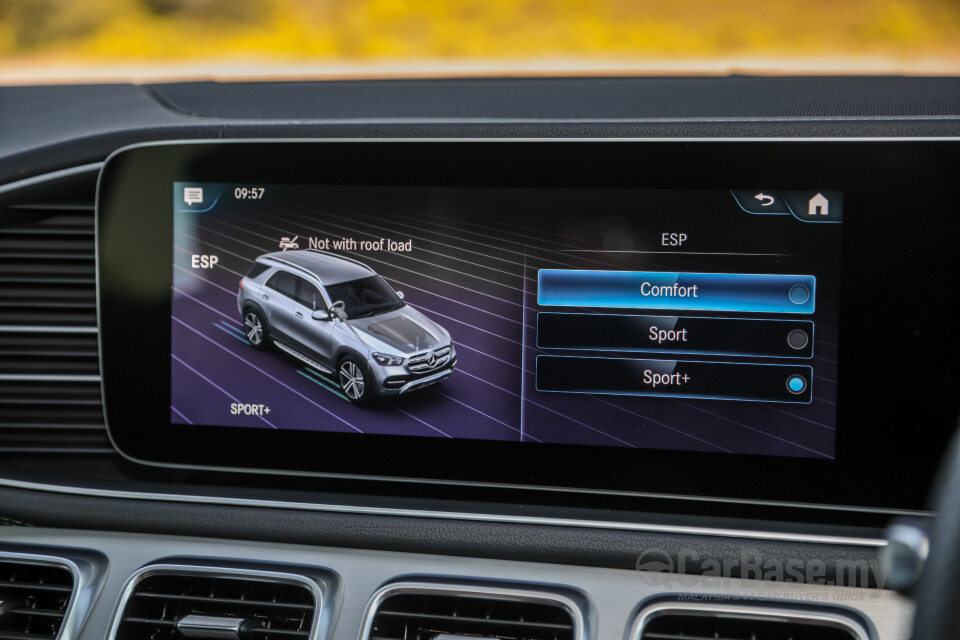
<point>545,358</point>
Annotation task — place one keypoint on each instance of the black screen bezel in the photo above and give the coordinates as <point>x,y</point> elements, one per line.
<point>882,461</point>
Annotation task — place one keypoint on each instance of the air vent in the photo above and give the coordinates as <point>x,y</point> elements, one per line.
<point>427,613</point>
<point>216,606</point>
<point>49,371</point>
<point>33,600</point>
<point>743,623</point>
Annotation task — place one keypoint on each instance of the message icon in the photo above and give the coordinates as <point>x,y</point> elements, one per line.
<point>192,195</point>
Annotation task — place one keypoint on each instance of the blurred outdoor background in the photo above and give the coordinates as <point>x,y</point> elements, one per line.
<point>89,40</point>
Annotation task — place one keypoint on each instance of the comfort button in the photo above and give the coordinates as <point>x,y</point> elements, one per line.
<point>737,292</point>
<point>799,294</point>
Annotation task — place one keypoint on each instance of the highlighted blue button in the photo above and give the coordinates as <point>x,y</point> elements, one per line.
<point>796,384</point>
<point>736,292</point>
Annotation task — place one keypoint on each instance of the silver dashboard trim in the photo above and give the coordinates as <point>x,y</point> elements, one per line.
<point>320,582</point>
<point>46,377</point>
<point>53,175</point>
<point>9,328</point>
<point>415,384</point>
<point>756,611</point>
<point>89,570</point>
<point>447,515</point>
<point>519,593</point>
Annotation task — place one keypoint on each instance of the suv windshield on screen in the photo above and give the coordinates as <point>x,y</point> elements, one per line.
<point>364,297</point>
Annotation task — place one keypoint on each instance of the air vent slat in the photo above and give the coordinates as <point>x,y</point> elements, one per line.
<point>42,425</point>
<point>153,622</point>
<point>452,619</point>
<point>38,365</point>
<point>26,391</point>
<point>82,319</point>
<point>12,635</point>
<point>52,244</point>
<point>49,361</point>
<point>56,280</point>
<point>38,597</point>
<point>263,632</point>
<point>84,207</point>
<point>710,624</point>
<point>35,263</point>
<point>67,415</point>
<point>49,232</point>
<point>63,297</point>
<point>270,610</point>
<point>423,616</point>
<point>33,586</point>
<point>266,604</point>
<point>28,611</point>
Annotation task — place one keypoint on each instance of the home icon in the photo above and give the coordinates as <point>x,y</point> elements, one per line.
<point>819,206</point>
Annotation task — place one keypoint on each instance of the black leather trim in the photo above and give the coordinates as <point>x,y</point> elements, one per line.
<point>47,128</point>
<point>697,98</point>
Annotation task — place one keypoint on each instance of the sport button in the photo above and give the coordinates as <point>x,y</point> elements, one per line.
<point>796,384</point>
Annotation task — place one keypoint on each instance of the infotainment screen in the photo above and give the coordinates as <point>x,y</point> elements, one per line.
<point>694,319</point>
<point>752,320</point>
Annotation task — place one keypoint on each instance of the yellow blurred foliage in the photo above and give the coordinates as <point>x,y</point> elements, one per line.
<point>359,30</point>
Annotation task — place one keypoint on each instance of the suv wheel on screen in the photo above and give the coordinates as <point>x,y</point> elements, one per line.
<point>255,327</point>
<point>353,381</point>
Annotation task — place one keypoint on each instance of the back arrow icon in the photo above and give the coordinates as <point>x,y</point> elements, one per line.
<point>765,200</point>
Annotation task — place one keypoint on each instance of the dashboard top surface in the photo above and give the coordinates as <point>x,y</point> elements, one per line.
<point>56,127</point>
<point>585,99</point>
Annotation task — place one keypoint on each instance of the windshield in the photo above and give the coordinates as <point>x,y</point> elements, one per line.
<point>365,297</point>
<point>163,40</point>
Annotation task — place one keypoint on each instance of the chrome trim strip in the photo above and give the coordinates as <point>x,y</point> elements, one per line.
<point>22,329</point>
<point>89,571</point>
<point>447,515</point>
<point>47,177</point>
<point>302,358</point>
<point>756,612</point>
<point>44,377</point>
<point>210,627</point>
<point>416,384</point>
<point>534,593</point>
<point>321,583</point>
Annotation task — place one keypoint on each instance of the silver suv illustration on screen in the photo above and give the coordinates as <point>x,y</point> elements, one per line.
<point>337,315</point>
